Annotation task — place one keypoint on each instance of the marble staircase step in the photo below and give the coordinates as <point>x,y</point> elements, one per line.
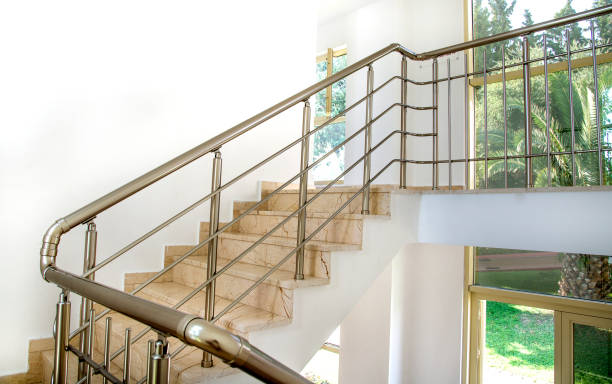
<point>241,319</point>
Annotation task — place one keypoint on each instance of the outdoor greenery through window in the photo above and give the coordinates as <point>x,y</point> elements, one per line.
<point>329,103</point>
<point>574,275</point>
<point>519,340</point>
<point>496,16</point>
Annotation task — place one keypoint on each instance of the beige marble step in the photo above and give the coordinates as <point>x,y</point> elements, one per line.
<point>267,296</point>
<point>344,228</point>
<point>241,319</point>
<point>331,200</point>
<point>251,272</point>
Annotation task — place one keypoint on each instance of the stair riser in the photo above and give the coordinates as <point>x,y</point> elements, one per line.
<point>316,263</point>
<point>267,297</point>
<point>330,202</point>
<point>347,231</point>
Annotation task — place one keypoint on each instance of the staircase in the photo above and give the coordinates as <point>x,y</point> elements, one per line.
<point>270,305</point>
<point>254,284</point>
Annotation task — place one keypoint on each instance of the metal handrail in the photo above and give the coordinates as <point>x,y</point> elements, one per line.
<point>175,323</point>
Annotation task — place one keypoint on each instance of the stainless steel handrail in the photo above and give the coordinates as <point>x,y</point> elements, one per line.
<point>233,350</point>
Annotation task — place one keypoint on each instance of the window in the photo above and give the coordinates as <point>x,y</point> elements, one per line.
<point>495,16</point>
<point>329,103</point>
<point>537,317</point>
<point>323,367</point>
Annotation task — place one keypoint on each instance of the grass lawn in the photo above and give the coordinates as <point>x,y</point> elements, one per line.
<point>520,341</point>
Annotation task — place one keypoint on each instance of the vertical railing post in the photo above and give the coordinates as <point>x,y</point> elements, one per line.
<point>90,343</point>
<point>127,356</point>
<point>89,261</point>
<point>107,341</point>
<point>303,192</point>
<point>466,111</point>
<point>434,156</point>
<point>404,93</point>
<point>62,334</point>
<point>211,265</point>
<point>528,122</point>
<point>568,45</point>
<point>158,365</point>
<point>596,95</point>
<point>365,207</point>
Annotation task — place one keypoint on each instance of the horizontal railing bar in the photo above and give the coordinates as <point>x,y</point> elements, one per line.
<point>559,66</point>
<point>419,108</point>
<point>98,368</point>
<point>516,33</point>
<point>227,185</point>
<point>477,159</point>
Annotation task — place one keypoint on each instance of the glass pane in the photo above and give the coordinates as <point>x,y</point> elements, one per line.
<point>320,97</point>
<point>324,140</point>
<point>519,344</point>
<point>490,17</point>
<point>592,355</point>
<point>564,274</point>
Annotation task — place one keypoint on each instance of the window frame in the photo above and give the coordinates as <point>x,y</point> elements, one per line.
<point>566,309</point>
<point>328,57</point>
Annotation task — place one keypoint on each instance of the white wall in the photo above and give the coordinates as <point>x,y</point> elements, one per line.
<point>426,308</point>
<point>95,94</point>
<point>364,355</point>
<point>419,27</point>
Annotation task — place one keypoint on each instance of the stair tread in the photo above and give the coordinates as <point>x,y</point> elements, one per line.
<point>316,245</point>
<point>315,215</point>
<point>253,272</point>
<point>242,318</point>
<point>293,188</point>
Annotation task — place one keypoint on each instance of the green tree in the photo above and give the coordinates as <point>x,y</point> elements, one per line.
<point>527,18</point>
<point>557,41</point>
